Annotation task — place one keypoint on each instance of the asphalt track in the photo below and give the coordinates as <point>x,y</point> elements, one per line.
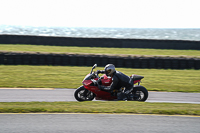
<point>93,123</point>
<point>97,123</point>
<point>51,95</point>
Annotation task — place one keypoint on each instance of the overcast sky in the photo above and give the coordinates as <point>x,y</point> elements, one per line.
<point>101,13</point>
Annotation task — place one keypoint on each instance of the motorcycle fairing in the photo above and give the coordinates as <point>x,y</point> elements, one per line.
<point>100,95</point>
<point>106,81</point>
<point>87,82</point>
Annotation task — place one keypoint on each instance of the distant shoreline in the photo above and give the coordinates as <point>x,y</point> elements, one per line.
<point>92,32</point>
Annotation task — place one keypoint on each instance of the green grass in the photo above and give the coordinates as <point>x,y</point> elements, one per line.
<point>100,107</point>
<point>98,50</point>
<point>71,77</point>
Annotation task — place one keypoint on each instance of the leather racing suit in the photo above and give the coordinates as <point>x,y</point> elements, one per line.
<point>118,80</point>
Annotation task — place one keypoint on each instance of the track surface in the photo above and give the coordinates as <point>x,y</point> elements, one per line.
<point>51,95</point>
<point>97,123</point>
<point>94,123</point>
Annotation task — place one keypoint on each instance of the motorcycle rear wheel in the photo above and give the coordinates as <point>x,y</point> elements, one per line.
<point>82,94</point>
<point>140,93</point>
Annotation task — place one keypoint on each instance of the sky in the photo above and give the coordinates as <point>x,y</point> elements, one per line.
<point>101,13</point>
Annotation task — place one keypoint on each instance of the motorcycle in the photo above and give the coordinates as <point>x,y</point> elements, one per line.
<point>89,90</point>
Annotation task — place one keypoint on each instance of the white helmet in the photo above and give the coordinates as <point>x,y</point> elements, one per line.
<point>109,69</point>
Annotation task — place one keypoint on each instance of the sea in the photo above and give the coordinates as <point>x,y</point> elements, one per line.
<point>88,32</point>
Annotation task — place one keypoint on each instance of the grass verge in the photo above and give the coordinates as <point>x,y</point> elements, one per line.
<point>101,107</point>
<point>71,77</point>
<point>99,50</point>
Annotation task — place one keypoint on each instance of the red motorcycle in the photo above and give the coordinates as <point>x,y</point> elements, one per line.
<point>89,90</point>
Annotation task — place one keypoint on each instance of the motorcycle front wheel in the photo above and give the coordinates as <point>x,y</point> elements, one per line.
<point>140,93</point>
<point>82,94</point>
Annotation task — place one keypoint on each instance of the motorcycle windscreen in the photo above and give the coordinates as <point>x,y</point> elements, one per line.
<point>87,77</point>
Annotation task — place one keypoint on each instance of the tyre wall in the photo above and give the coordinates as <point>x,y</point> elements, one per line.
<point>99,42</point>
<point>11,58</point>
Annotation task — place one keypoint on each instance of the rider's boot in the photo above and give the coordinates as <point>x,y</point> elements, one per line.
<point>121,96</point>
<point>128,95</point>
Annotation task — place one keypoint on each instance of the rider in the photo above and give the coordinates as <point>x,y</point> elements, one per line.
<point>118,80</point>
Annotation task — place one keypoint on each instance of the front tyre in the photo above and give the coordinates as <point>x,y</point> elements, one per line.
<point>82,94</point>
<point>140,93</point>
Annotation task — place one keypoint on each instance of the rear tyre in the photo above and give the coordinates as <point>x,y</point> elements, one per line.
<point>140,93</point>
<point>82,94</point>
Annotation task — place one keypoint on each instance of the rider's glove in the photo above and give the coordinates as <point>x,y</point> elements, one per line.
<point>95,82</point>
<point>99,71</point>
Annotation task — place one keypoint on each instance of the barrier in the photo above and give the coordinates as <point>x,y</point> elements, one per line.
<point>14,58</point>
<point>99,42</point>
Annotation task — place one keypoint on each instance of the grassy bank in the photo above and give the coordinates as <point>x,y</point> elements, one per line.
<point>98,50</point>
<point>101,107</point>
<point>71,77</point>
